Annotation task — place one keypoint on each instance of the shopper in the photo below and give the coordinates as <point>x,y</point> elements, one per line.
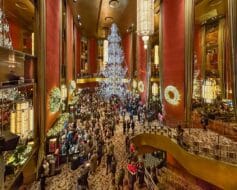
<point>141,174</point>
<point>124,127</point>
<point>113,166</point>
<point>120,178</point>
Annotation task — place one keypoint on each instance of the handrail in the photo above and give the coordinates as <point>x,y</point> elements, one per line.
<point>213,171</point>
<point>149,181</point>
<point>217,149</point>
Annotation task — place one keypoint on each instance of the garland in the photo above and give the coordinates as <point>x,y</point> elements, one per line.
<point>55,100</point>
<point>174,100</point>
<point>140,86</point>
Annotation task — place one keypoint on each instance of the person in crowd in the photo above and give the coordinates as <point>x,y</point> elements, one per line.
<point>120,178</point>
<point>109,158</point>
<point>99,152</point>
<point>141,174</point>
<point>132,172</point>
<point>204,121</point>
<point>180,135</point>
<point>127,143</point>
<point>124,127</point>
<point>93,162</point>
<point>131,115</point>
<point>132,126</point>
<point>113,166</point>
<point>82,181</point>
<point>132,148</point>
<point>128,126</point>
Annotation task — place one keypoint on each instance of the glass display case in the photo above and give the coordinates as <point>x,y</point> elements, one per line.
<point>17,88</point>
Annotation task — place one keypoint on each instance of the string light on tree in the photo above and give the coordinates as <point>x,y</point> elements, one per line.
<point>113,72</point>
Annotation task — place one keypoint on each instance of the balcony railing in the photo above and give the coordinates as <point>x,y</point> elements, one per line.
<point>197,141</point>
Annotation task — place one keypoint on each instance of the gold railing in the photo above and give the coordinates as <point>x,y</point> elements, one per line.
<point>211,170</point>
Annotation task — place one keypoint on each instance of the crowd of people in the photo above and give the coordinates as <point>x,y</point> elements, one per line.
<point>88,138</point>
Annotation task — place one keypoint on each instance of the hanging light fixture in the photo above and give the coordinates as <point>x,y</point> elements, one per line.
<point>145,19</point>
<point>105,51</point>
<point>156,57</point>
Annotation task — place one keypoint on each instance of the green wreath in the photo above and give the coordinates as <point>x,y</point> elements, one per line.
<point>55,99</point>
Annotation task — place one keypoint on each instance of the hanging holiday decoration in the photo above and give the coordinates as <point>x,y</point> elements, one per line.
<point>55,100</point>
<point>114,74</point>
<point>172,95</point>
<point>5,38</point>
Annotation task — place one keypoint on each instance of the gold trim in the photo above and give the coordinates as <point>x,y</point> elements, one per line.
<point>96,79</point>
<point>99,79</point>
<point>189,30</point>
<point>215,172</point>
<point>41,91</point>
<point>155,79</point>
<point>161,52</point>
<point>232,18</point>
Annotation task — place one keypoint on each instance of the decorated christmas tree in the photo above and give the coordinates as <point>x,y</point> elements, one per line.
<point>114,82</point>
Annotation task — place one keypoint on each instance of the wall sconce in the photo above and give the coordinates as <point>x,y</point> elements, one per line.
<point>63,91</point>
<point>156,57</point>
<point>105,51</point>
<point>154,89</point>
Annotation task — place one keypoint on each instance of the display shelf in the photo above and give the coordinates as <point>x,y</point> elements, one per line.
<point>5,51</point>
<point>10,179</point>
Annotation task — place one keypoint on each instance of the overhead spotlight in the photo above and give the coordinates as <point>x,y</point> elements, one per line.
<point>80,23</point>
<point>114,3</point>
<point>74,1</point>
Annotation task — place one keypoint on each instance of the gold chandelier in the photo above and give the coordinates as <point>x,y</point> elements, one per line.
<point>145,19</point>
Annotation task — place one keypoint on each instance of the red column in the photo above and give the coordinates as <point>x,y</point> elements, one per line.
<point>127,48</point>
<point>69,64</point>
<point>52,54</point>
<point>142,66</point>
<point>92,55</point>
<point>173,56</point>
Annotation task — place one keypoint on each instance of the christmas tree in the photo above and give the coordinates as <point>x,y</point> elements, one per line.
<point>114,82</point>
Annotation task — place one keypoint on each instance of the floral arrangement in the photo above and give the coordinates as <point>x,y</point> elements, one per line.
<point>58,126</point>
